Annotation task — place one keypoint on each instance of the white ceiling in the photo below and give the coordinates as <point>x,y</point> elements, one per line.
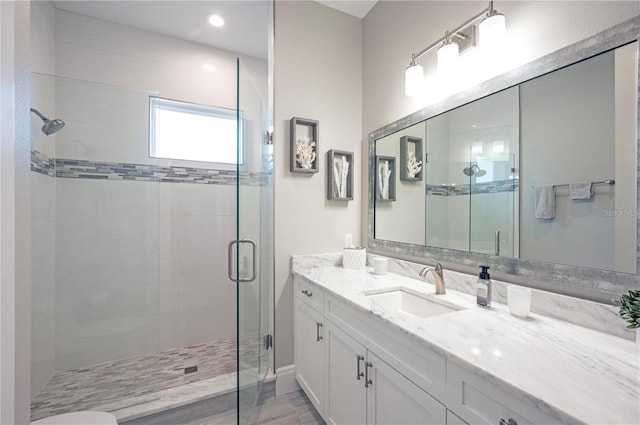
<point>245,31</point>
<point>357,8</point>
<point>246,26</point>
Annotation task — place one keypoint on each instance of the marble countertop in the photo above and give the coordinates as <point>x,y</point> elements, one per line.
<point>580,375</point>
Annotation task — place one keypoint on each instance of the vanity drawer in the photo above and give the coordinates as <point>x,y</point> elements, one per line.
<point>422,366</point>
<point>477,401</point>
<point>308,293</point>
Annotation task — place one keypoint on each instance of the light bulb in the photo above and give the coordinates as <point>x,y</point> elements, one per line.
<point>492,31</point>
<point>448,55</point>
<point>216,20</point>
<point>413,79</point>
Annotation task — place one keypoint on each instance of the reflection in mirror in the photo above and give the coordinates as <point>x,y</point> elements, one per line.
<point>472,185</point>
<point>570,117</point>
<point>574,129</point>
<point>402,220</point>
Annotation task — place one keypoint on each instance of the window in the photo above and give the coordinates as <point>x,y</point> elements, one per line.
<point>180,130</point>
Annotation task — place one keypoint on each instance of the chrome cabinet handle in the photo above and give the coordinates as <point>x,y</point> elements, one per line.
<point>511,421</point>
<point>367,380</point>
<point>318,336</point>
<point>360,374</point>
<point>307,293</point>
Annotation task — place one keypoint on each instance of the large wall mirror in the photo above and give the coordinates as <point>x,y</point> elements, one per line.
<point>487,160</point>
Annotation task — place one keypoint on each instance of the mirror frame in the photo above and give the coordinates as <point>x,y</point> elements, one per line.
<point>592,284</point>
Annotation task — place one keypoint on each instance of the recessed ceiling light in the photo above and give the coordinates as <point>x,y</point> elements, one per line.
<point>215,20</point>
<point>208,67</point>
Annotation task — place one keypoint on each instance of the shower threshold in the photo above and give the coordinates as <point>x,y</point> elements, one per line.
<point>136,407</point>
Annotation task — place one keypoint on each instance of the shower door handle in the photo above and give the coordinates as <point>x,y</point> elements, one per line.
<point>497,242</point>
<point>253,258</point>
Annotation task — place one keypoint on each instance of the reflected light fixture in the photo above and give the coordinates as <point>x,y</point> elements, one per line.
<point>215,20</point>
<point>455,42</point>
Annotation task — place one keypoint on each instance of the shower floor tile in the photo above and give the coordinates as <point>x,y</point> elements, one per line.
<point>136,379</point>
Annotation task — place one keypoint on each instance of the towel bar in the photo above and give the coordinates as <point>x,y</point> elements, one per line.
<point>600,182</point>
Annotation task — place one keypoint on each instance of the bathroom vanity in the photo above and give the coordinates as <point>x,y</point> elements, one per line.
<point>386,349</point>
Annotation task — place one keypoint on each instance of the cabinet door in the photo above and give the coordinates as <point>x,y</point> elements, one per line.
<point>476,400</point>
<point>309,353</point>
<point>394,400</point>
<point>346,394</point>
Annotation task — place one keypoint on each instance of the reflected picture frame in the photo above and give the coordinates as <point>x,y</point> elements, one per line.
<point>411,147</point>
<point>385,178</point>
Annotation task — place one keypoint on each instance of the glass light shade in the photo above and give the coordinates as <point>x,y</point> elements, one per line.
<point>448,55</point>
<point>493,31</point>
<point>215,20</point>
<point>413,80</point>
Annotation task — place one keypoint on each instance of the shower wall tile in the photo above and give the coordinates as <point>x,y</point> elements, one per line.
<point>102,198</point>
<point>114,38</point>
<point>101,346</point>
<point>219,322</point>
<point>204,86</point>
<point>42,27</point>
<point>90,64</point>
<point>43,99</point>
<point>169,330</point>
<point>197,200</point>
<point>104,123</point>
<point>43,279</point>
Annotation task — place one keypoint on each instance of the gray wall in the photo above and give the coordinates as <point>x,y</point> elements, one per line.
<point>318,75</point>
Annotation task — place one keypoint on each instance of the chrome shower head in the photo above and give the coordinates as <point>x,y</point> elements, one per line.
<point>50,126</point>
<point>474,170</point>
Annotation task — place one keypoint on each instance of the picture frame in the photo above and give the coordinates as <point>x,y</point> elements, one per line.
<point>340,173</point>
<point>304,145</point>
<point>411,151</point>
<point>385,178</point>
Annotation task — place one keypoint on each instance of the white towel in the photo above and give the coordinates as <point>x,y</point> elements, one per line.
<point>545,201</point>
<point>581,190</point>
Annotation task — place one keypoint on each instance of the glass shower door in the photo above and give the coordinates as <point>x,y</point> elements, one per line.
<point>252,250</point>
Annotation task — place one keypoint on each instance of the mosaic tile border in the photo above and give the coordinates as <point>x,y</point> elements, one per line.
<point>478,188</point>
<point>43,163</point>
<point>101,170</point>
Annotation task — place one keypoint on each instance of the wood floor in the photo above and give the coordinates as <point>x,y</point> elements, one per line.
<point>288,409</point>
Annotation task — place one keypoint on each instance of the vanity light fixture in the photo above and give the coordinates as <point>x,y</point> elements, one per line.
<point>455,42</point>
<point>492,29</point>
<point>448,55</point>
<point>215,20</point>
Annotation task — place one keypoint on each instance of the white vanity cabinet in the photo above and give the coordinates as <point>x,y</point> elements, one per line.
<point>364,389</point>
<point>309,352</point>
<point>344,374</point>
<point>478,401</point>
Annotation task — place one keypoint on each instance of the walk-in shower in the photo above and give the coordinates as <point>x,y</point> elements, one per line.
<point>133,311</point>
<point>50,126</point>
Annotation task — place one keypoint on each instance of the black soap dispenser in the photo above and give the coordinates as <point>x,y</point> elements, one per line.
<point>483,293</point>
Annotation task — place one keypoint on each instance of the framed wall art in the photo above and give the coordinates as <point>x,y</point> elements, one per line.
<point>304,145</point>
<point>339,175</point>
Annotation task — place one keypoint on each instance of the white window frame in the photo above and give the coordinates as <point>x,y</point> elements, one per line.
<point>158,103</point>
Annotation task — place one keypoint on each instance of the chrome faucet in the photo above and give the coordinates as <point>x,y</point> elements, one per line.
<point>438,277</point>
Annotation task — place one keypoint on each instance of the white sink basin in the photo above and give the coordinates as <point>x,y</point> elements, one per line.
<point>418,305</point>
